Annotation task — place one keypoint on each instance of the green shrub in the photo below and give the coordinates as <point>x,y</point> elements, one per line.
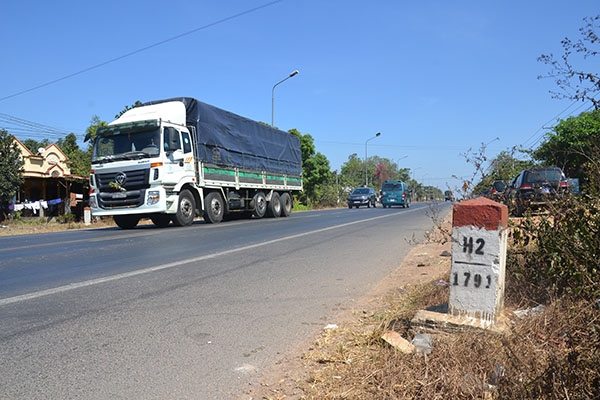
<point>558,253</point>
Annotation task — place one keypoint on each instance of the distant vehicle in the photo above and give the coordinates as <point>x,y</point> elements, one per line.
<point>496,191</point>
<point>363,196</point>
<point>395,193</point>
<point>448,195</point>
<point>535,189</point>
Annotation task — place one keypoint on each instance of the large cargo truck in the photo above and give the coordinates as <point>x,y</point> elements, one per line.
<point>172,160</point>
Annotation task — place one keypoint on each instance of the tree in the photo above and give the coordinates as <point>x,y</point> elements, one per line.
<point>575,83</point>
<point>11,167</point>
<point>79,160</point>
<point>503,167</point>
<point>574,142</point>
<point>353,171</point>
<point>33,145</point>
<point>315,166</point>
<point>95,123</point>
<point>127,108</point>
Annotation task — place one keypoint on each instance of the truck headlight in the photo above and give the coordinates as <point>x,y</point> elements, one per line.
<point>93,202</point>
<point>153,197</point>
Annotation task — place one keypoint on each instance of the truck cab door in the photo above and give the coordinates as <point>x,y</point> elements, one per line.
<point>178,147</point>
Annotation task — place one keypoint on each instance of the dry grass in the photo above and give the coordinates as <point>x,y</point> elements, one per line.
<point>554,354</point>
<point>34,225</point>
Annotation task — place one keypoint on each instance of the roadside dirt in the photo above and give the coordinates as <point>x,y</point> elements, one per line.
<point>426,262</point>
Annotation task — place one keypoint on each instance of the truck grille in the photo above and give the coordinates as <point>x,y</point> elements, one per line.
<point>135,185</point>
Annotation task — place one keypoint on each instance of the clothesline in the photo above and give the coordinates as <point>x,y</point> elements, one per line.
<point>34,205</point>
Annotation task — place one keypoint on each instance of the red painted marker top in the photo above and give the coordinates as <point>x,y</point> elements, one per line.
<point>480,212</point>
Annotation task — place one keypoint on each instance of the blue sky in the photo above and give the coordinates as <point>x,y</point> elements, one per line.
<point>436,78</point>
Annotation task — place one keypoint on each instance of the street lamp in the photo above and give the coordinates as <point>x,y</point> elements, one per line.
<point>273,95</point>
<point>367,176</point>
<point>400,159</point>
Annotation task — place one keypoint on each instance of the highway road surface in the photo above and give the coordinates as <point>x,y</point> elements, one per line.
<point>185,313</point>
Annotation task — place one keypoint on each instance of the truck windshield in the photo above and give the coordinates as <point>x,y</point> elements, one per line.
<point>111,145</point>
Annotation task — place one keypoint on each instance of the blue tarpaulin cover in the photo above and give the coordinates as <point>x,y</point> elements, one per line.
<point>227,139</point>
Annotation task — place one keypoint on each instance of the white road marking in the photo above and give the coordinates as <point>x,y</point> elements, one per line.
<point>93,282</point>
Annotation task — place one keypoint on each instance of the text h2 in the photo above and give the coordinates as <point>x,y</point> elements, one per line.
<point>468,245</point>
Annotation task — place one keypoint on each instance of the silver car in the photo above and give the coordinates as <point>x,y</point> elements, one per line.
<point>363,196</point>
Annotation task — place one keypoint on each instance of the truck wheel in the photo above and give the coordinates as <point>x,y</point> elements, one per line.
<point>260,204</point>
<point>274,206</point>
<point>161,220</point>
<point>186,209</point>
<point>286,204</point>
<point>214,208</point>
<point>126,221</point>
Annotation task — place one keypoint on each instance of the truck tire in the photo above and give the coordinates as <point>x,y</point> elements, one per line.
<point>126,221</point>
<point>161,220</point>
<point>286,204</point>
<point>214,208</point>
<point>274,206</point>
<point>260,204</point>
<point>186,209</point>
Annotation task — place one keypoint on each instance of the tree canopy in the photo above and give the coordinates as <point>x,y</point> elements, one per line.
<point>316,171</point>
<point>10,167</point>
<point>573,143</point>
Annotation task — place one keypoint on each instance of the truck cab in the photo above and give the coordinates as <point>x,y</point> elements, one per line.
<point>139,164</point>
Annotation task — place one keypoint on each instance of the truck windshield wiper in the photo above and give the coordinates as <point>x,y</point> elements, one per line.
<point>133,155</point>
<point>103,159</point>
<point>130,155</point>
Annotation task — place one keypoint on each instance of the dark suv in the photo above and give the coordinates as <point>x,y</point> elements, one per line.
<point>363,196</point>
<point>535,189</point>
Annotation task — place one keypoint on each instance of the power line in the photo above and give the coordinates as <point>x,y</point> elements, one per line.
<point>536,137</point>
<point>22,127</point>
<point>112,60</point>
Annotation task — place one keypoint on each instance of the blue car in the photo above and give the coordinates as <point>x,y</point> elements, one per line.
<point>395,193</point>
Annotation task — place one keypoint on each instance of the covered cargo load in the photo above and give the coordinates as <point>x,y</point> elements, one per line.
<point>223,138</point>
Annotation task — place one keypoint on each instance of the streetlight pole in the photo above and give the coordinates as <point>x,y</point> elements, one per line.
<point>366,172</point>
<point>294,73</point>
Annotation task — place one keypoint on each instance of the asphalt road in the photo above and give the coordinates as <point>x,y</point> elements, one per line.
<point>184,313</point>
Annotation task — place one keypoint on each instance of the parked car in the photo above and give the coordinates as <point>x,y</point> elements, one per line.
<point>363,196</point>
<point>496,191</point>
<point>536,189</point>
<point>395,193</point>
